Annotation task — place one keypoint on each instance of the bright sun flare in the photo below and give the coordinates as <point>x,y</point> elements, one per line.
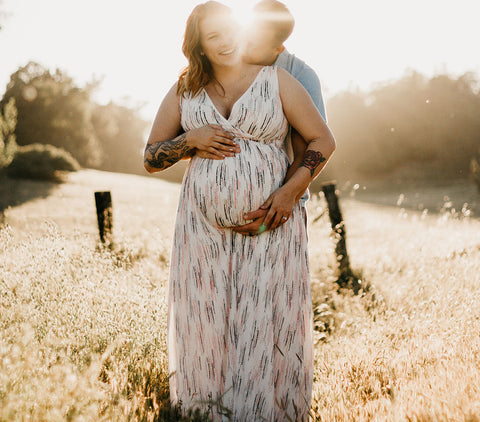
<point>243,12</point>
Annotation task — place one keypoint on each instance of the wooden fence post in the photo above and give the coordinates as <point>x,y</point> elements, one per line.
<point>103,202</point>
<point>338,227</point>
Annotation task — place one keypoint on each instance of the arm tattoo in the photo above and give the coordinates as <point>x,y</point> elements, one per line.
<point>312,160</point>
<point>162,155</point>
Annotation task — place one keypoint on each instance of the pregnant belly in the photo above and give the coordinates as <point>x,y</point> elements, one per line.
<point>223,190</point>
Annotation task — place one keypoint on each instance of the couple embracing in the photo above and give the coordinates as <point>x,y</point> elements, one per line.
<point>240,318</point>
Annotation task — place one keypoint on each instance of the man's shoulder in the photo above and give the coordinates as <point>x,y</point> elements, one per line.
<point>293,65</point>
<point>304,74</point>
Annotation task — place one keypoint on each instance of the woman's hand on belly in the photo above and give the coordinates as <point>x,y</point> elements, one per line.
<point>212,141</point>
<point>210,156</point>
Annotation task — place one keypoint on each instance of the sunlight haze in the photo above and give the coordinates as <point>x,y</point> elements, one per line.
<point>135,47</point>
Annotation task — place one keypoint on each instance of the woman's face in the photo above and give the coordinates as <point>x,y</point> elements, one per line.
<point>219,38</point>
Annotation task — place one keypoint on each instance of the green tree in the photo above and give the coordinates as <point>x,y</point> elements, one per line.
<point>53,110</point>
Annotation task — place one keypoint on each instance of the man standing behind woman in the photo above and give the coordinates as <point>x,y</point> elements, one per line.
<point>273,23</point>
<point>239,307</point>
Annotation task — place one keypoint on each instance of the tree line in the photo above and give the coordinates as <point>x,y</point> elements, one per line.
<point>416,125</point>
<point>428,124</point>
<point>52,109</point>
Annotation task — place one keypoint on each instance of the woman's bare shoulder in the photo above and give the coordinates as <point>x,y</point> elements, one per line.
<point>171,98</point>
<point>173,90</point>
<point>289,86</point>
<point>284,77</point>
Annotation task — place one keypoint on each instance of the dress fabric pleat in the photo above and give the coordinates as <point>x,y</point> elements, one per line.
<point>239,307</point>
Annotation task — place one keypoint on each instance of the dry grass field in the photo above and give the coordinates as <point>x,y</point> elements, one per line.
<point>83,328</point>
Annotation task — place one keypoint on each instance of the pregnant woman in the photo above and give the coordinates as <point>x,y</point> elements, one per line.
<point>239,307</point>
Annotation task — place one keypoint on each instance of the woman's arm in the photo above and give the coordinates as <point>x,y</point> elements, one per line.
<point>304,117</point>
<point>166,144</point>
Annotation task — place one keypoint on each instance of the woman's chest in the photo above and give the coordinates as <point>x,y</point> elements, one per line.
<point>224,100</point>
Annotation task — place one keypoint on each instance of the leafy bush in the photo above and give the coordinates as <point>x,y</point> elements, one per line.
<point>41,161</point>
<point>8,122</point>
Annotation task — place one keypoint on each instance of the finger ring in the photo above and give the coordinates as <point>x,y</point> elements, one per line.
<point>262,228</point>
<point>284,218</point>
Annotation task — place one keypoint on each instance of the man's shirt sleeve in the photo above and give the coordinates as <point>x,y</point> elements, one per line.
<point>309,79</point>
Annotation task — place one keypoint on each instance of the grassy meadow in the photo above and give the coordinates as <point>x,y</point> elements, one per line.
<point>83,328</point>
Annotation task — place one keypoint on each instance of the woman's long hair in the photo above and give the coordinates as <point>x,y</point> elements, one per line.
<point>199,71</point>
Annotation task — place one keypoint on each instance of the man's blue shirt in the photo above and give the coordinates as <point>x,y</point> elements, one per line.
<point>305,75</point>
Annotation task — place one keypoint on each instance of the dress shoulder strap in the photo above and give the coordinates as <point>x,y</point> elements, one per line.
<point>272,75</point>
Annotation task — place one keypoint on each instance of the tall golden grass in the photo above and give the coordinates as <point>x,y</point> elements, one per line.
<point>83,328</point>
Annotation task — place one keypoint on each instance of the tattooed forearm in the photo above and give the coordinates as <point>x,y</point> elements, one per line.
<point>162,155</point>
<point>312,160</point>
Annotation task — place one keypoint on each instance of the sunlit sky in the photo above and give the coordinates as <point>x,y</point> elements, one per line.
<point>135,46</point>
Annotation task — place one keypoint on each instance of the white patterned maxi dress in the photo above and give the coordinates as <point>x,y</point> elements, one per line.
<point>239,307</point>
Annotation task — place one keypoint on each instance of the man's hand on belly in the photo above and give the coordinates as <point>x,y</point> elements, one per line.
<point>276,211</point>
<point>253,228</point>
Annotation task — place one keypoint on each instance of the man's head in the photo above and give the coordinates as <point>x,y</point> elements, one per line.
<point>272,25</point>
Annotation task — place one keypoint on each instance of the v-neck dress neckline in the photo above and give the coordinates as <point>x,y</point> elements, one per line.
<point>238,99</point>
